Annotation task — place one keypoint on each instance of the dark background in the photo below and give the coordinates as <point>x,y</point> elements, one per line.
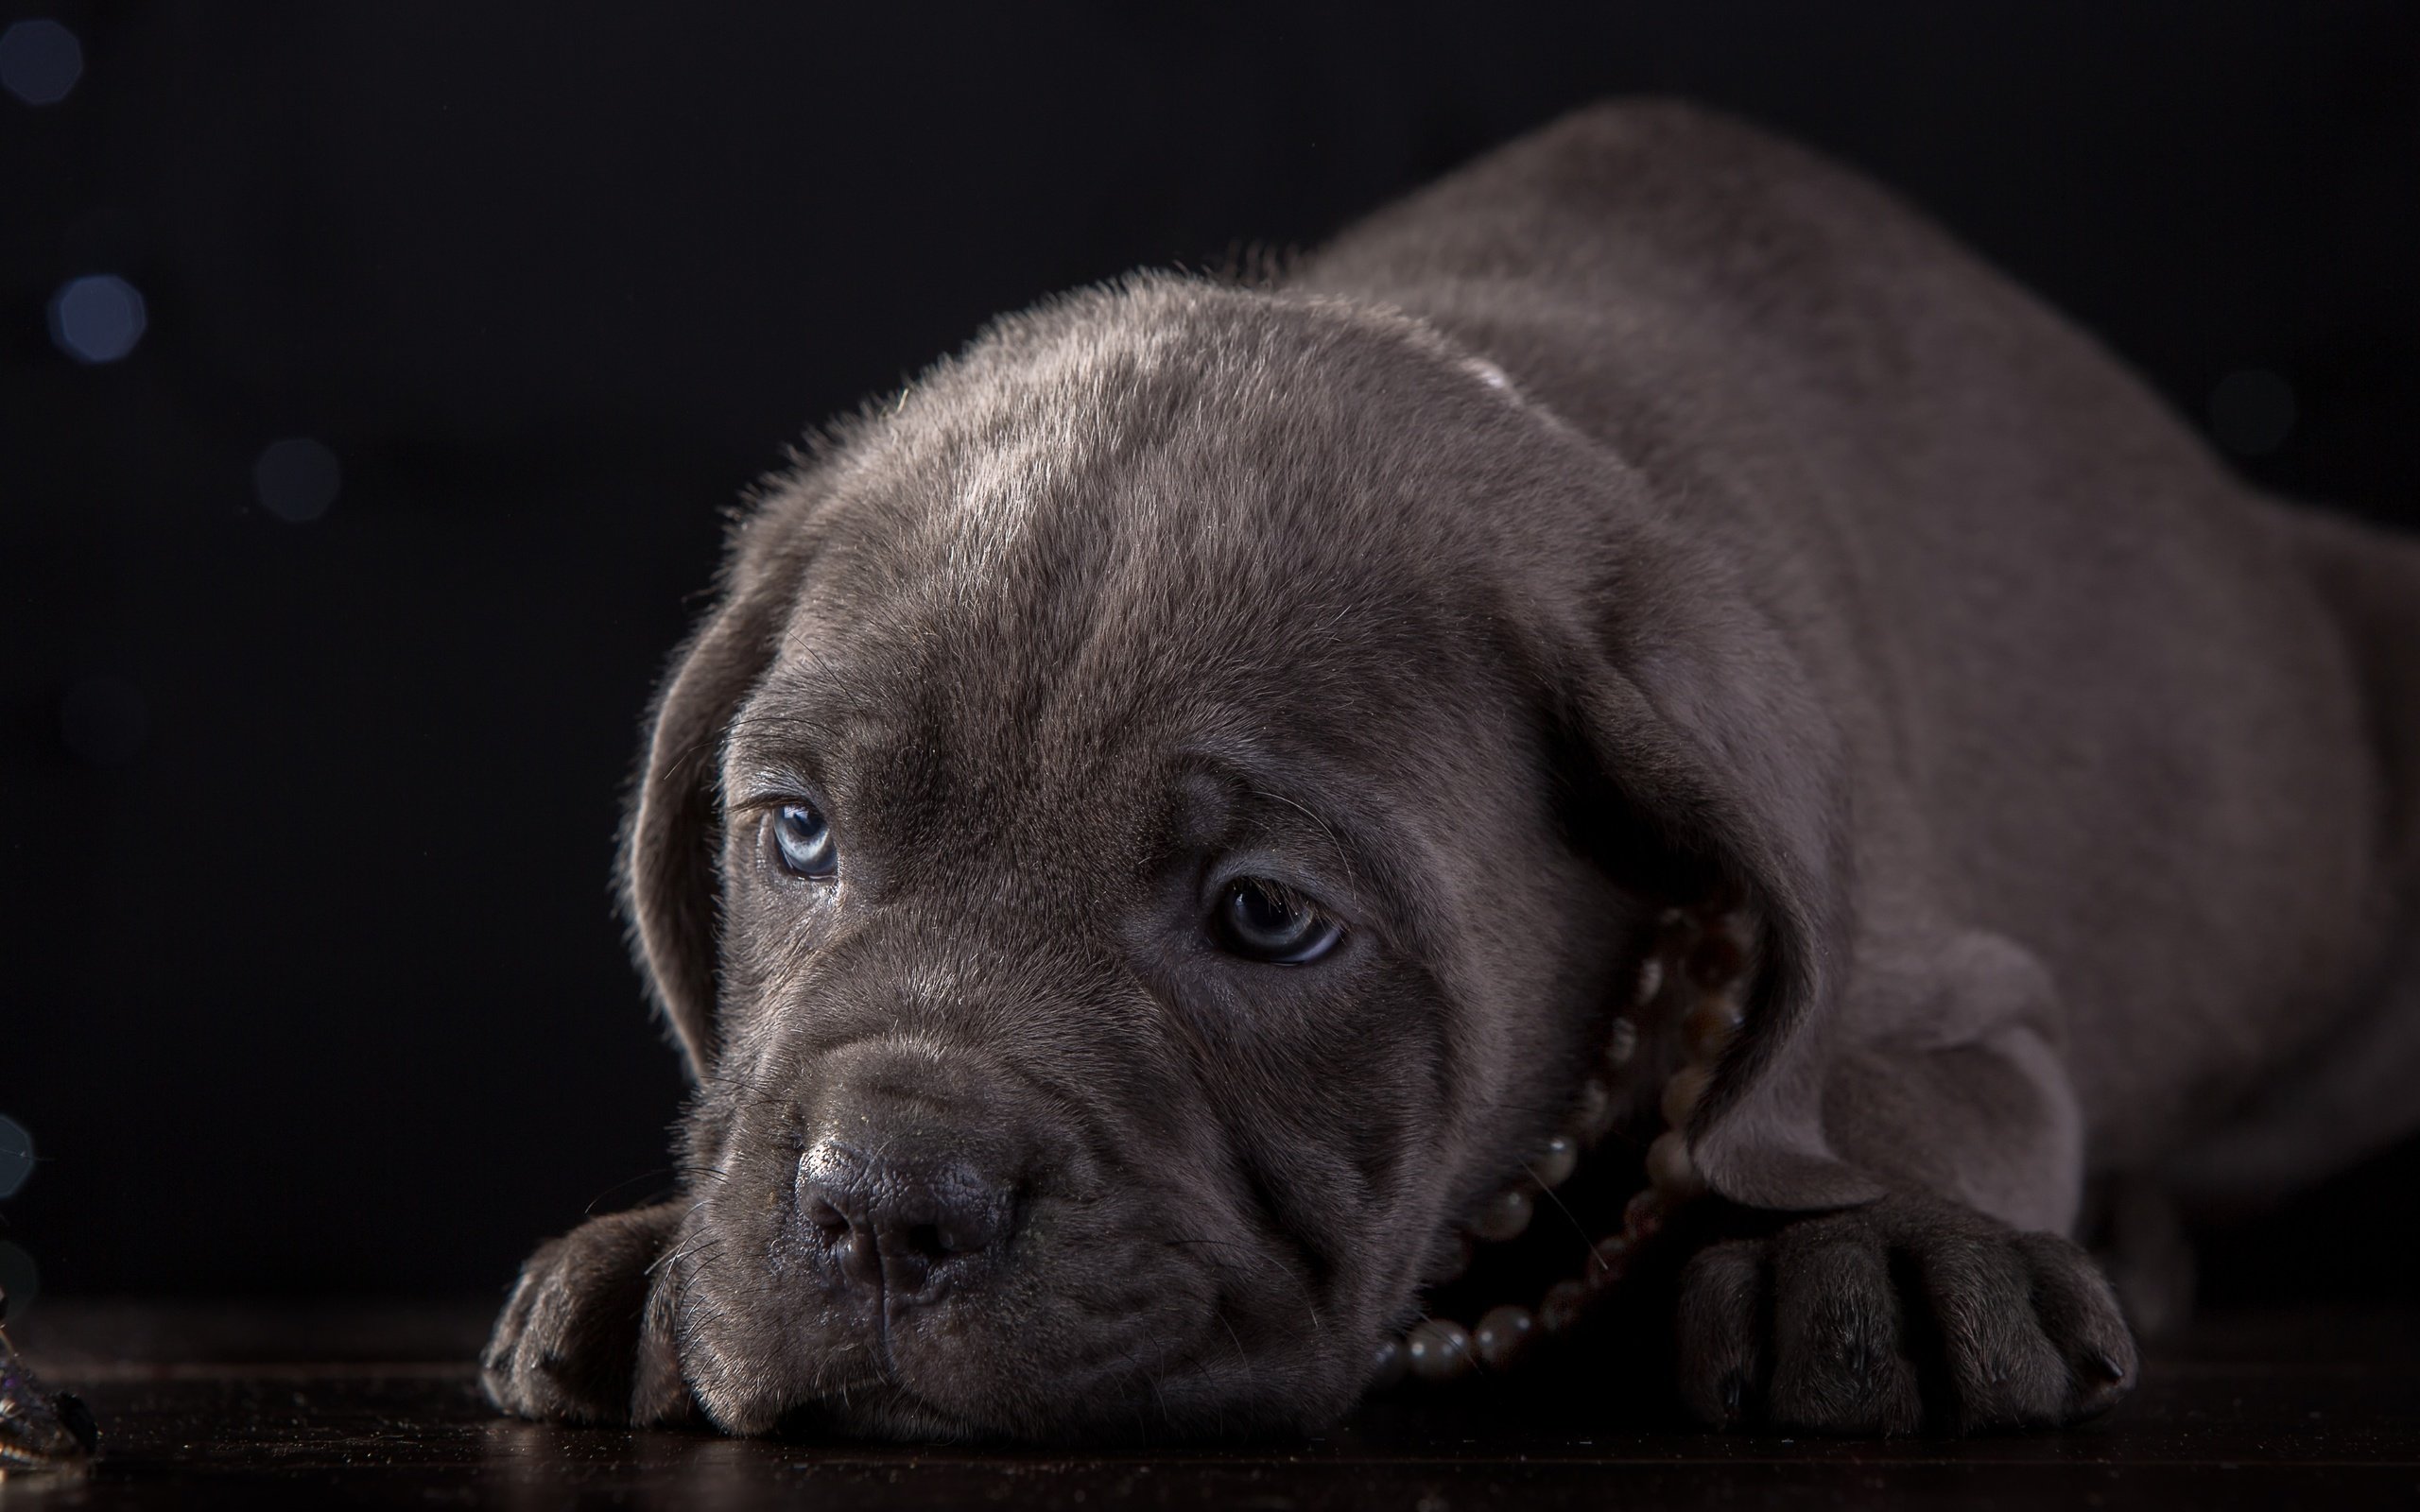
<point>311,980</point>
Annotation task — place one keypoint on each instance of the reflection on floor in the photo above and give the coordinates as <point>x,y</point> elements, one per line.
<point>313,1406</point>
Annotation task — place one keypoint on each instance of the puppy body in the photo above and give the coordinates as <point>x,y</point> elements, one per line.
<point>2092,699</point>
<point>1645,507</point>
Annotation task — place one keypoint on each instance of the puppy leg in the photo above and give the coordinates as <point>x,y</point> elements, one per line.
<point>586,1335</point>
<point>1955,1303</point>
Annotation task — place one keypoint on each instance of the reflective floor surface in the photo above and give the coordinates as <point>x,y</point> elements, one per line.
<point>337,1405</point>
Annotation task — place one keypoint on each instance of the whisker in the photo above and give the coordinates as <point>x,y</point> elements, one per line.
<point>618,1186</point>
<point>1570,1217</point>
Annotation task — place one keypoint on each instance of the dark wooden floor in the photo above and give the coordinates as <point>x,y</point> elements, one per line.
<point>303,1407</point>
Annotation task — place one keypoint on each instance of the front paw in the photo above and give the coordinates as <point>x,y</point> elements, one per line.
<point>1912,1313</point>
<point>578,1341</point>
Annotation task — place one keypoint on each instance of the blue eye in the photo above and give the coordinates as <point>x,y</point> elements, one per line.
<point>1263,922</point>
<point>805,841</point>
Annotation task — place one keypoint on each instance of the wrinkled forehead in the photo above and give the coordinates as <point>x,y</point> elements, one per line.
<point>1123,692</point>
<point>1082,653</point>
<point>1164,519</point>
<point>1174,445</point>
<point>1089,547</point>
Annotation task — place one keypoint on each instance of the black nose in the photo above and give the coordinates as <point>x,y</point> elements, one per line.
<point>911,1228</point>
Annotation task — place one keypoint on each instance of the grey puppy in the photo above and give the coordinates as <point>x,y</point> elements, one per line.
<point>1161,817</point>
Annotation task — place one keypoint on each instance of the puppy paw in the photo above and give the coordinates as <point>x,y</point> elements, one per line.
<point>580,1340</point>
<point>1912,1313</point>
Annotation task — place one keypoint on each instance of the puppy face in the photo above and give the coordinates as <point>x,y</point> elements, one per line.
<point>1152,909</point>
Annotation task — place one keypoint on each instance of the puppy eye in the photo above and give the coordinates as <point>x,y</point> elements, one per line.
<point>805,841</point>
<point>1265,921</point>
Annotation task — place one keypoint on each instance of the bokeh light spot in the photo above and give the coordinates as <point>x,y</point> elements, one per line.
<point>2252,411</point>
<point>103,720</point>
<point>40,60</point>
<point>16,1156</point>
<point>97,318</point>
<point>295,479</point>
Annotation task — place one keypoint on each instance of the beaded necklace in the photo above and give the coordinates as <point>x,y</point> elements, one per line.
<point>1689,981</point>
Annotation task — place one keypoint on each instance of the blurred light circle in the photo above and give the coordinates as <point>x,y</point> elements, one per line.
<point>295,479</point>
<point>97,318</point>
<point>16,1156</point>
<point>2252,411</point>
<point>40,60</point>
<point>103,720</point>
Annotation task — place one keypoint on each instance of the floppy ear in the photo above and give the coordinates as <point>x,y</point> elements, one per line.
<point>1695,709</point>
<point>671,838</point>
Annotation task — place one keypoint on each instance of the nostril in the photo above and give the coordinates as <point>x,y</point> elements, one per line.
<point>925,1241</point>
<point>909,1229</point>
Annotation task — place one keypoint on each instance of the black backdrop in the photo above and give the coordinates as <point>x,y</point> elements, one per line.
<point>310,980</point>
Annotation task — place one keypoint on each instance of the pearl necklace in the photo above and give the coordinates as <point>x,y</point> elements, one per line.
<point>1690,980</point>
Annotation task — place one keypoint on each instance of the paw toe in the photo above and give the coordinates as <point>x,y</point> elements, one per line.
<point>1840,1361</point>
<point>566,1346</point>
<point>2078,1314</point>
<point>2001,1370</point>
<point>1721,1326</point>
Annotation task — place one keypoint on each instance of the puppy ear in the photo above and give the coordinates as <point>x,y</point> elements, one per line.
<point>671,837</point>
<point>1696,711</point>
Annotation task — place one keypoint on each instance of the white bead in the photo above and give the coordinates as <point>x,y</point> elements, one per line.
<point>1594,1114</point>
<point>1683,1091</point>
<point>1608,1262</point>
<point>1643,1215</point>
<point>1506,1215</point>
<point>1556,1162</point>
<point>1707,1029</point>
<point>1671,1169</point>
<point>1501,1334</point>
<point>1387,1365</point>
<point>1561,1306</point>
<point>1438,1350</point>
<point>1621,1042</point>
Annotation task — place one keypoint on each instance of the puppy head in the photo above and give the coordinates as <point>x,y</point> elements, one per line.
<point>1129,862</point>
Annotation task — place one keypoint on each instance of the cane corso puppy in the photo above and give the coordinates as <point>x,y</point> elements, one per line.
<point>1181,817</point>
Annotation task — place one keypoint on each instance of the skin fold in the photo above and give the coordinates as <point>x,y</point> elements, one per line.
<point>1648,507</point>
